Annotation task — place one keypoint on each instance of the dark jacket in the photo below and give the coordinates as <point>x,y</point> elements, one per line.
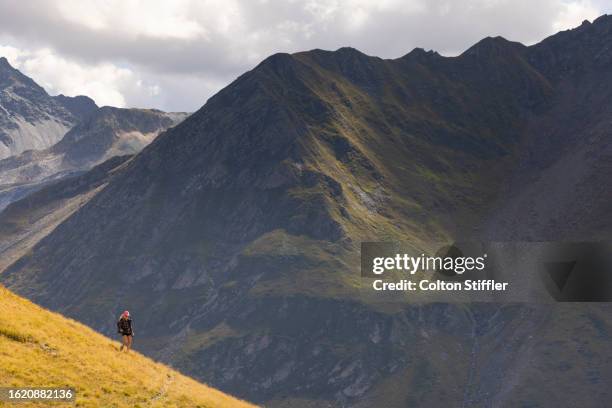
<point>124,327</point>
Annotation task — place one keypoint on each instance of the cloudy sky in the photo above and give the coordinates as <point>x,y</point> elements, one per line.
<point>173,55</point>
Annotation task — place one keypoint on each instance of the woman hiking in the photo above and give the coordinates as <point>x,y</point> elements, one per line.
<point>124,326</point>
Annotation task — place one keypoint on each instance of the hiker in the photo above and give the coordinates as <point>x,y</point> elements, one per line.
<point>124,326</point>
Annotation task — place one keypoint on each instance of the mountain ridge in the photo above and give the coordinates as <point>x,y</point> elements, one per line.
<point>29,117</point>
<point>103,133</point>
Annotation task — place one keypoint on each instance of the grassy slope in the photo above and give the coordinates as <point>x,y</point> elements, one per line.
<point>40,348</point>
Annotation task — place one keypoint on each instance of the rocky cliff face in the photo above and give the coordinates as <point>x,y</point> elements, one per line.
<point>102,134</point>
<point>80,106</point>
<point>234,236</point>
<point>559,183</point>
<point>29,117</point>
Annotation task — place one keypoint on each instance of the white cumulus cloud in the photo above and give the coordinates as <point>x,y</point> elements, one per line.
<point>574,13</point>
<point>106,83</point>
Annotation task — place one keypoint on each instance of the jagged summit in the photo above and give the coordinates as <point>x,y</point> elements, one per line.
<point>112,131</point>
<point>13,83</point>
<point>349,51</point>
<point>278,62</point>
<point>102,134</point>
<point>603,19</point>
<point>12,78</point>
<point>29,117</point>
<point>491,46</point>
<point>420,53</point>
<point>80,106</point>
<point>31,122</point>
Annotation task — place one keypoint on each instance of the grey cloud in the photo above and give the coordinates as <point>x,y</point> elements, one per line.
<point>275,26</point>
<point>41,26</point>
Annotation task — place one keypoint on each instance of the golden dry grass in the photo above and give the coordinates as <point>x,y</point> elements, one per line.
<point>39,348</point>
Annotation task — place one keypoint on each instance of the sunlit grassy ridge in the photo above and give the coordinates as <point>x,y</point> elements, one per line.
<point>43,349</point>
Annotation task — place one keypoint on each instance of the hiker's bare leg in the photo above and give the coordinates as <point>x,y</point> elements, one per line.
<point>129,343</point>
<point>125,343</point>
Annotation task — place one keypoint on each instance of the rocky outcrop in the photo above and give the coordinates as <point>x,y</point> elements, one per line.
<point>29,117</point>
<point>104,133</point>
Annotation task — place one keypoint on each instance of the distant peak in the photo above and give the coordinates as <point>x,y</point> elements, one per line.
<point>12,76</point>
<point>603,19</point>
<point>77,97</point>
<point>4,63</point>
<point>417,51</point>
<point>498,40</point>
<point>420,53</point>
<point>342,52</point>
<point>107,109</point>
<point>348,50</point>
<point>80,105</point>
<point>491,46</point>
<point>278,60</point>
